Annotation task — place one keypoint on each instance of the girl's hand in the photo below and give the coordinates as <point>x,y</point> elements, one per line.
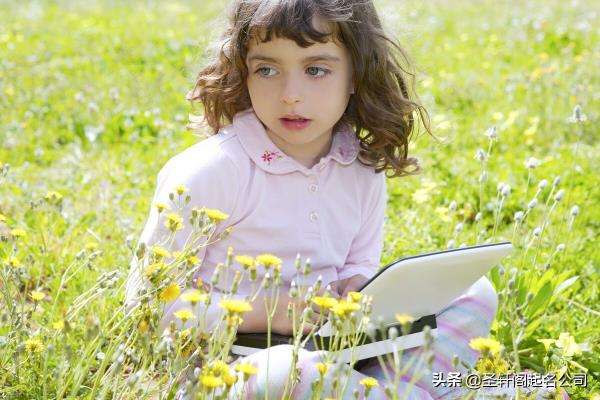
<point>284,326</point>
<point>255,321</point>
<point>344,286</point>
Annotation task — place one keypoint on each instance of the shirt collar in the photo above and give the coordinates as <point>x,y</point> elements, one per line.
<point>261,149</point>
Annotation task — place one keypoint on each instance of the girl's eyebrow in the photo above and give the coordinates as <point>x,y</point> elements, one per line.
<point>318,57</point>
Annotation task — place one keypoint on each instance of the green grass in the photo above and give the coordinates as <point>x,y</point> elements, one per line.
<point>92,103</point>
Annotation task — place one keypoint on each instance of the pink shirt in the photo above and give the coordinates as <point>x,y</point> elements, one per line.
<point>332,213</point>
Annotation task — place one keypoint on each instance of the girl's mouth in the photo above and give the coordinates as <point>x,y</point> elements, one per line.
<point>295,124</point>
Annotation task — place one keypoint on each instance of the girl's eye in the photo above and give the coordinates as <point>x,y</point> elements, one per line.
<point>262,69</point>
<point>325,71</point>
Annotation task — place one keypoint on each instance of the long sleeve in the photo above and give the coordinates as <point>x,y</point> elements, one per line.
<point>365,251</point>
<point>211,178</point>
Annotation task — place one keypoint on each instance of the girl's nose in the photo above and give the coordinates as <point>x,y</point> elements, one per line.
<point>291,91</point>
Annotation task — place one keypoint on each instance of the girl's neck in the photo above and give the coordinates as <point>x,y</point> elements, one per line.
<point>307,154</point>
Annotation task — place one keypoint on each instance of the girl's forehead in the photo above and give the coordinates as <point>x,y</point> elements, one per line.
<point>265,34</point>
<point>277,44</point>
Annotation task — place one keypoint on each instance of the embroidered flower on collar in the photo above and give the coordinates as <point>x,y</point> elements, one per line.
<point>270,155</point>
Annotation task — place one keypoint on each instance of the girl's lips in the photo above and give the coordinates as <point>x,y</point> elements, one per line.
<point>294,124</point>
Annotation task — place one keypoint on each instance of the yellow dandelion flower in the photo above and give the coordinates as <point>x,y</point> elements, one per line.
<point>235,306</point>
<point>219,367</point>
<point>233,320</point>
<point>193,296</point>
<point>192,260</point>
<point>404,319</point>
<point>53,197</point>
<point>354,296</point>
<point>184,314</point>
<point>546,342</point>
<point>230,379</point>
<point>246,369</point>
<point>343,308</point>
<point>37,296</point>
<point>185,333</point>
<point>152,268</point>
<point>246,261</point>
<point>485,345</point>
<point>181,189</point>
<point>369,382</point>
<point>170,293</point>
<point>211,381</point>
<point>215,214</point>
<point>91,246</point>
<point>160,207</point>
<point>567,344</point>
<point>12,261</point>
<point>160,252</point>
<point>143,326</point>
<point>174,222</point>
<point>322,368</point>
<point>34,345</point>
<point>501,366</point>
<point>443,213</point>
<point>18,233</point>
<point>268,260</point>
<point>58,325</point>
<point>324,302</point>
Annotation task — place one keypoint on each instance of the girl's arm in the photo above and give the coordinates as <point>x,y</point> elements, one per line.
<point>211,178</point>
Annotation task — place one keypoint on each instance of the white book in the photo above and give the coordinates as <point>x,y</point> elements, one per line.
<point>420,286</point>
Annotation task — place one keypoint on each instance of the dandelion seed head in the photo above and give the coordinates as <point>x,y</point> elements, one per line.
<point>480,155</point>
<point>532,163</point>
<point>500,186</point>
<point>450,244</point>
<point>532,204</point>
<point>560,247</point>
<point>574,211</point>
<point>452,206</point>
<point>505,190</point>
<point>559,195</point>
<point>557,181</point>
<point>537,231</point>
<point>577,116</point>
<point>491,133</point>
<point>478,217</point>
<point>543,184</point>
<point>519,216</point>
<point>458,227</point>
<point>483,176</point>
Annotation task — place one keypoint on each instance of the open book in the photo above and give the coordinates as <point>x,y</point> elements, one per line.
<point>420,286</point>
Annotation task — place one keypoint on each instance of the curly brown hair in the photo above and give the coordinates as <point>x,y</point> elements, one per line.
<point>383,107</point>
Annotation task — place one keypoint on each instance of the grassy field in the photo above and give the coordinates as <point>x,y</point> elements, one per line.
<point>92,105</point>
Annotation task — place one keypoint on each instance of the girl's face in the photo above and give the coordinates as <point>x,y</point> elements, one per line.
<point>313,82</point>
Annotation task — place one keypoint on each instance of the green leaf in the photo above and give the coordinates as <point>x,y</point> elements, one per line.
<point>540,299</point>
<point>565,284</point>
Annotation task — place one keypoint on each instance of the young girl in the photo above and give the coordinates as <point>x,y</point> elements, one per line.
<point>309,106</point>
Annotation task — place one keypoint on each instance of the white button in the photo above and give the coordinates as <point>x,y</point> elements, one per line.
<point>313,216</point>
<point>313,187</point>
